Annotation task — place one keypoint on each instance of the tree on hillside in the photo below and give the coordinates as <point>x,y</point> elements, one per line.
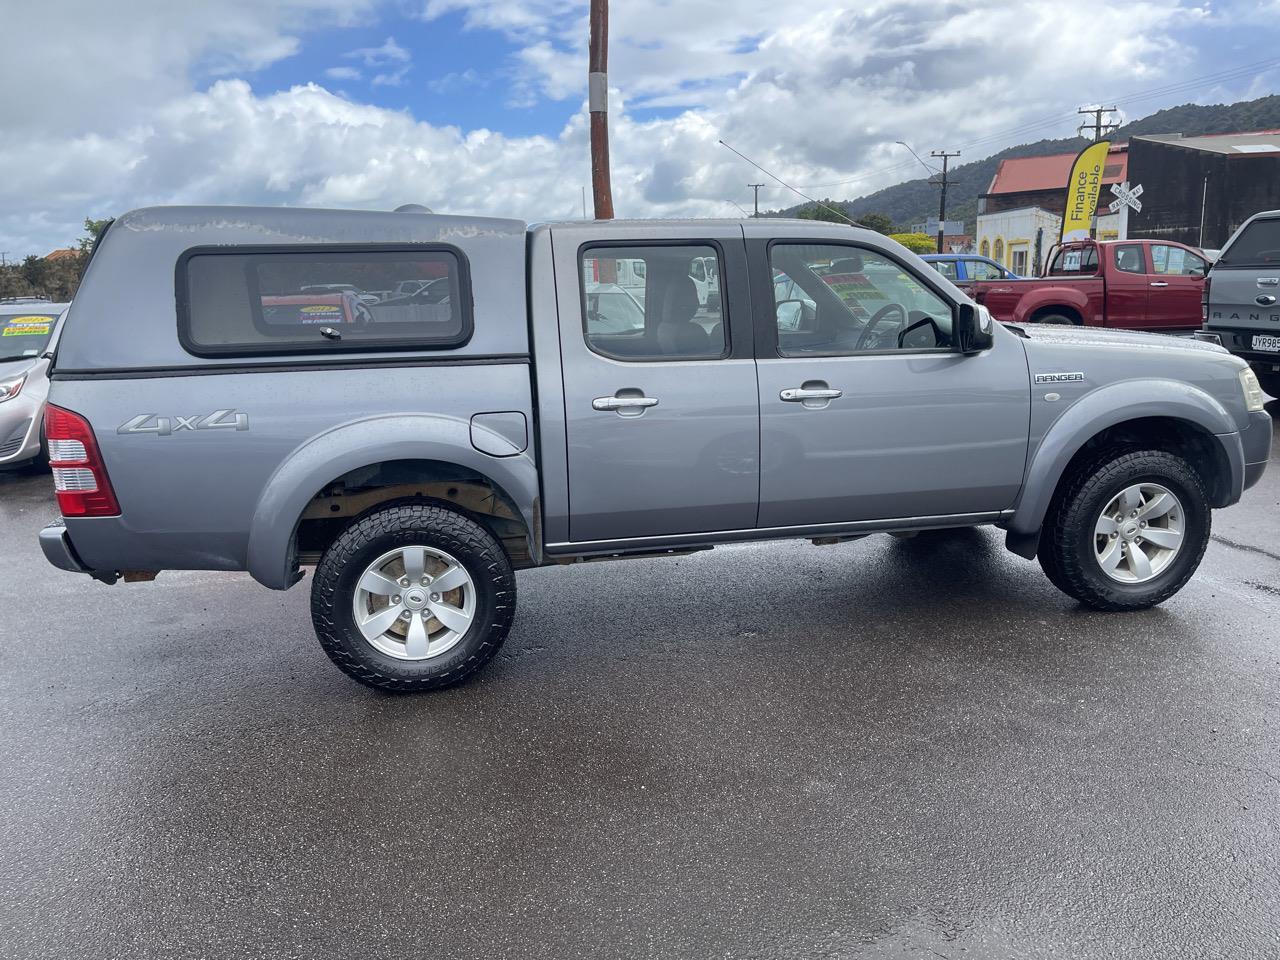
<point>879,222</point>
<point>828,211</point>
<point>55,277</point>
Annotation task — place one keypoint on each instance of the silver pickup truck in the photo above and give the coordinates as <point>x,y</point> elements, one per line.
<point>1241,297</point>
<point>221,399</point>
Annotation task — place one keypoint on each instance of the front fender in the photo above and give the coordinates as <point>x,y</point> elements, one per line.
<point>1108,407</point>
<point>363,443</point>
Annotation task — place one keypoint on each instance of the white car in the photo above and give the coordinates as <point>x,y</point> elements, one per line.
<point>28,329</point>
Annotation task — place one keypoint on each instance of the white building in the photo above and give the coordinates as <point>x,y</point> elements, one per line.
<point>1011,237</point>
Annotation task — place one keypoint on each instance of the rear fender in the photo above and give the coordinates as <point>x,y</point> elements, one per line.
<point>324,458</point>
<point>1108,407</point>
<point>1061,298</point>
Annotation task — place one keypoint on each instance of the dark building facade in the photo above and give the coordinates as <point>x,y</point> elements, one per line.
<point>1219,181</point>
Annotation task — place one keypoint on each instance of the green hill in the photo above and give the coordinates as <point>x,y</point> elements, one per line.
<point>916,200</point>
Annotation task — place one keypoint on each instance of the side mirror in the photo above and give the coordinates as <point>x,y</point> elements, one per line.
<point>975,329</point>
<point>790,313</point>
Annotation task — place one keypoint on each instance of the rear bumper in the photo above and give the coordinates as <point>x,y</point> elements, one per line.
<point>1240,343</point>
<point>57,548</point>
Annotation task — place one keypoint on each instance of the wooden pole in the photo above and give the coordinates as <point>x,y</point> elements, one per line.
<point>598,104</point>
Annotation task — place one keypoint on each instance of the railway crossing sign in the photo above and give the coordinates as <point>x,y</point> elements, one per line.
<point>1125,197</point>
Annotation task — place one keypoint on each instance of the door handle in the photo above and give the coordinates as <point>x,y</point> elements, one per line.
<point>1159,283</point>
<point>801,394</point>
<point>623,403</point>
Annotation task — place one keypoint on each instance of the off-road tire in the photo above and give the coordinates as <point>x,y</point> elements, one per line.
<point>1270,383</point>
<point>403,524</point>
<point>1066,542</point>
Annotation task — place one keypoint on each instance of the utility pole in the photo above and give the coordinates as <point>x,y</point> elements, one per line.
<point>598,105</point>
<point>756,187</point>
<point>944,156</point>
<point>1100,129</point>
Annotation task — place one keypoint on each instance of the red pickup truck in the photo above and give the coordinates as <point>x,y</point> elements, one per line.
<point>1127,284</point>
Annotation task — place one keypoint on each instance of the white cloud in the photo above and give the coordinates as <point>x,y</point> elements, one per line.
<point>343,73</point>
<point>125,114</point>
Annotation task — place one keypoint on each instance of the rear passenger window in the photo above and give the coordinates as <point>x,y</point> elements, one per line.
<point>654,302</point>
<point>1257,246</point>
<point>263,300</point>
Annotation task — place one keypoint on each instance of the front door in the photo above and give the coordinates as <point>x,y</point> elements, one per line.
<point>659,383</point>
<point>1176,284</point>
<point>866,413</point>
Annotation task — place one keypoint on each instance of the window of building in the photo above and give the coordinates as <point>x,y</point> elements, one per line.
<point>238,300</point>
<point>1018,261</point>
<point>997,252</point>
<point>832,300</point>
<point>653,302</point>
<point>985,249</point>
<point>1129,258</point>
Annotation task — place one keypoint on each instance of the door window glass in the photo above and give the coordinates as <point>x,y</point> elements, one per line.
<point>644,303</point>
<point>833,301</point>
<point>1176,261</point>
<point>945,267</point>
<point>1129,258</point>
<point>982,270</point>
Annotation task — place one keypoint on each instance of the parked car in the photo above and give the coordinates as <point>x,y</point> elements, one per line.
<point>964,268</point>
<point>1125,284</point>
<point>27,328</point>
<point>416,465</point>
<point>1242,297</point>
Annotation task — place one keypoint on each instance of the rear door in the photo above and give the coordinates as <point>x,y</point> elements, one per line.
<point>866,413</point>
<point>1127,291</point>
<point>1176,283</point>
<point>661,414</point>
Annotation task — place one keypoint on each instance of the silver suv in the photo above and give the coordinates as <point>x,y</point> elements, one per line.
<point>27,331</point>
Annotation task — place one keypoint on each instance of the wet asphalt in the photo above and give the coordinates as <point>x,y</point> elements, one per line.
<point>883,749</point>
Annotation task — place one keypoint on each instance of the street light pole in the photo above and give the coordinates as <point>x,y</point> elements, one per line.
<point>598,105</point>
<point>756,188</point>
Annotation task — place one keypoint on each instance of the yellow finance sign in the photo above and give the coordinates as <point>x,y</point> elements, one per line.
<point>1082,191</point>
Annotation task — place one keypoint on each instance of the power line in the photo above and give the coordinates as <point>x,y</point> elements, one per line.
<point>842,215</point>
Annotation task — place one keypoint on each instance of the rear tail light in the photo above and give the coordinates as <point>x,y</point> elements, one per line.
<point>79,477</point>
<point>1204,300</point>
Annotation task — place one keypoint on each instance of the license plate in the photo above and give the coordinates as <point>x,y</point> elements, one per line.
<point>1267,343</point>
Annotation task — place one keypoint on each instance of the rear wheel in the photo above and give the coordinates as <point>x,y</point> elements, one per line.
<point>413,597</point>
<point>1127,531</point>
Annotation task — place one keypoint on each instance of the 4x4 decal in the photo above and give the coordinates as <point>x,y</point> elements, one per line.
<point>165,426</point>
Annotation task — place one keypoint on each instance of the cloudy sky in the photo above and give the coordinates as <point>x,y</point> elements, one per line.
<point>479,106</point>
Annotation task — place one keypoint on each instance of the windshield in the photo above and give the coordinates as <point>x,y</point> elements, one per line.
<point>25,335</point>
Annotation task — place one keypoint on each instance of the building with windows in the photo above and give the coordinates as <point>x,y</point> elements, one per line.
<point>1198,190</point>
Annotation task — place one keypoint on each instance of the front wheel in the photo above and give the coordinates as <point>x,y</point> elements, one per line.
<point>413,597</point>
<point>1127,531</point>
